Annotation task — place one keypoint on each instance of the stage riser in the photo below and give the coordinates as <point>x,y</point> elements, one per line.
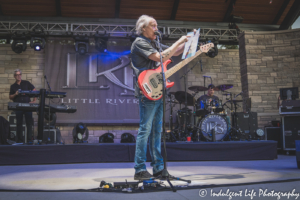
<point>94,153</point>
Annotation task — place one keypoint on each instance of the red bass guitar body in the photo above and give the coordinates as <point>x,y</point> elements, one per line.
<point>151,82</point>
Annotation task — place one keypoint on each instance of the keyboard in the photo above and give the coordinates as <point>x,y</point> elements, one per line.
<point>48,94</point>
<point>33,107</point>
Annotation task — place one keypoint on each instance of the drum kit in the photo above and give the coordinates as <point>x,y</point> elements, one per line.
<point>207,121</point>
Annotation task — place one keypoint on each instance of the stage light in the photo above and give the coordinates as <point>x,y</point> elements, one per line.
<point>127,138</point>
<point>19,44</point>
<point>37,43</point>
<point>106,138</point>
<point>82,44</point>
<point>50,121</point>
<point>213,52</point>
<point>80,133</point>
<point>101,42</point>
<point>260,132</point>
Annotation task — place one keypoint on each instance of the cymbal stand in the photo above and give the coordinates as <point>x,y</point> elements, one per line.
<point>171,113</point>
<point>171,118</point>
<point>185,84</point>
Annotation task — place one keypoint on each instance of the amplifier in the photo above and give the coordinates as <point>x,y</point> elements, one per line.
<point>290,131</point>
<point>246,122</point>
<point>13,133</point>
<point>290,107</point>
<point>274,133</point>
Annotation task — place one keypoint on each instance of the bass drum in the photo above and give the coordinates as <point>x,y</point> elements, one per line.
<point>216,122</point>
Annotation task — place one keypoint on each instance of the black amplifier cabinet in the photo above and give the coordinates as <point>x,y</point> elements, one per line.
<point>246,122</point>
<point>291,131</point>
<point>274,133</point>
<point>290,107</point>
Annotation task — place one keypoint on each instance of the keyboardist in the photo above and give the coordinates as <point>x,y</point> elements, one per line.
<point>15,97</point>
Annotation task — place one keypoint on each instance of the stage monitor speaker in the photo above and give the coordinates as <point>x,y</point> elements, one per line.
<point>247,123</point>
<point>49,135</point>
<point>298,153</point>
<point>274,133</point>
<point>291,131</point>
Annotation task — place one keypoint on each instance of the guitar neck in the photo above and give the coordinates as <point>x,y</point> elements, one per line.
<point>177,67</point>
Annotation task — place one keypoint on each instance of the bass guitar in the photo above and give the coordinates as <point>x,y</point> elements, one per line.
<point>151,82</point>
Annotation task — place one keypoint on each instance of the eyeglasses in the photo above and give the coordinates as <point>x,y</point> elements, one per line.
<point>18,74</point>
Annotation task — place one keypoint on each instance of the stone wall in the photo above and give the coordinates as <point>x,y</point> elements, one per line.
<point>269,61</point>
<point>224,69</point>
<point>31,63</point>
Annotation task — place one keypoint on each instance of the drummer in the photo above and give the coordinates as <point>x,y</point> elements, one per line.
<point>208,97</point>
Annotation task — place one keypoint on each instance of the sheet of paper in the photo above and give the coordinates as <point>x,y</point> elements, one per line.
<point>191,45</point>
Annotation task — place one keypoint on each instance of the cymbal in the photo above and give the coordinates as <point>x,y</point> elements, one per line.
<point>180,97</point>
<point>234,101</point>
<point>223,87</point>
<point>198,88</point>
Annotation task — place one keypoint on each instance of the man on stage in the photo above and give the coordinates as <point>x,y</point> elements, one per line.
<point>16,97</point>
<point>209,96</point>
<point>145,55</point>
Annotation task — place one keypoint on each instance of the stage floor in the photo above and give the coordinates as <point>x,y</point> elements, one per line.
<point>95,153</point>
<point>207,175</point>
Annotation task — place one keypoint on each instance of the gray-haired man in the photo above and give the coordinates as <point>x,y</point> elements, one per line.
<point>16,97</point>
<point>144,55</point>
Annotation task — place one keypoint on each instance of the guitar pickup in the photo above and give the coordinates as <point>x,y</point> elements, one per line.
<point>153,82</point>
<point>147,88</point>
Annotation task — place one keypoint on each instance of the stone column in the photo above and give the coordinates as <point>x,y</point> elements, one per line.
<point>268,61</point>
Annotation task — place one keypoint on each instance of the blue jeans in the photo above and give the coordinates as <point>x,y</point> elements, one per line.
<point>29,124</point>
<point>151,113</point>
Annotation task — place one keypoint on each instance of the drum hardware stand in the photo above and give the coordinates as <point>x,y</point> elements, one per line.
<point>171,113</point>
<point>204,82</point>
<point>171,119</point>
<point>237,132</point>
<point>185,103</point>
<point>165,174</point>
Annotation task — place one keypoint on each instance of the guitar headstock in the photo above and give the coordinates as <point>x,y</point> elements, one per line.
<point>205,48</point>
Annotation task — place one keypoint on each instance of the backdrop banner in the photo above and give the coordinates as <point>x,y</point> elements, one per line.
<point>101,85</point>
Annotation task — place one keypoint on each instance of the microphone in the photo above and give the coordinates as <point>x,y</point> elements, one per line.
<point>47,83</point>
<point>157,33</point>
<point>207,76</point>
<point>201,64</point>
<point>239,94</point>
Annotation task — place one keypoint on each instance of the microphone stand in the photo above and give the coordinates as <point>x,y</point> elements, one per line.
<point>165,174</point>
<point>49,107</point>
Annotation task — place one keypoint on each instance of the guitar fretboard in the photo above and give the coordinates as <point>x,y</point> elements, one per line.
<point>177,67</point>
